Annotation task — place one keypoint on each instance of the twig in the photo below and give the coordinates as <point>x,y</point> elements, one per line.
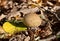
<point>48,39</point>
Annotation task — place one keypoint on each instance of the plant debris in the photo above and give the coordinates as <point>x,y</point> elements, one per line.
<point>14,11</point>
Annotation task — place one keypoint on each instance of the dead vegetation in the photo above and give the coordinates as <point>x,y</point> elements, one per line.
<point>48,11</point>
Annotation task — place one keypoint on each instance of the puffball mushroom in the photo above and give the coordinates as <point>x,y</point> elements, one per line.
<point>32,20</point>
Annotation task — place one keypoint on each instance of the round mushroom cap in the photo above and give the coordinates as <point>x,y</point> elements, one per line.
<point>32,20</point>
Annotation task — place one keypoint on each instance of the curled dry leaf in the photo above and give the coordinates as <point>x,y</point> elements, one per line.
<point>35,2</point>
<point>2,16</point>
<point>3,2</point>
<point>23,0</point>
<point>1,30</point>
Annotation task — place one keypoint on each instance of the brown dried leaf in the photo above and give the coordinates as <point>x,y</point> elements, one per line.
<point>3,2</point>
